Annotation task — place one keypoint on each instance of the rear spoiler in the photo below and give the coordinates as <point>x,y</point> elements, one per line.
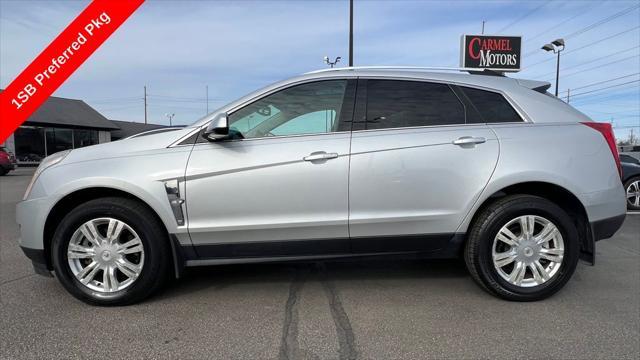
<point>539,86</point>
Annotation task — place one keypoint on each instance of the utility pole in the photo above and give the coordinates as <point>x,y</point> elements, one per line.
<point>207,88</point>
<point>568,95</point>
<point>482,28</point>
<point>350,33</point>
<point>145,104</point>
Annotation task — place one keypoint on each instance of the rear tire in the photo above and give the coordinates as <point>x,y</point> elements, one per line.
<point>632,189</point>
<point>514,263</point>
<point>118,269</point>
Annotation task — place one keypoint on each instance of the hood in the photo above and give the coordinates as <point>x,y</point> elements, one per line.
<point>136,145</point>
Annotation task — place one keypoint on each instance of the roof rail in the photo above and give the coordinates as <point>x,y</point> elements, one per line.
<point>418,68</point>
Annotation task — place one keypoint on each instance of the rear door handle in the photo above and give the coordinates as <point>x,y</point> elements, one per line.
<point>320,156</point>
<point>466,140</point>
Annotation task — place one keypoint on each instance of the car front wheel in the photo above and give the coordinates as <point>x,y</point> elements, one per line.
<point>110,251</point>
<point>522,248</point>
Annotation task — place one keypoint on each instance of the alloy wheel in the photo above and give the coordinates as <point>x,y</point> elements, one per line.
<point>105,255</point>
<point>528,251</point>
<point>633,193</point>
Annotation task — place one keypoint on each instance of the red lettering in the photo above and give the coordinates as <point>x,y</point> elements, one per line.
<point>474,56</point>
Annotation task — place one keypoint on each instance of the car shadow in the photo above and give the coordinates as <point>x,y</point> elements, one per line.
<point>216,278</point>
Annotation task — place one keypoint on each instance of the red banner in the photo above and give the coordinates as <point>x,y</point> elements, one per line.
<point>60,59</point>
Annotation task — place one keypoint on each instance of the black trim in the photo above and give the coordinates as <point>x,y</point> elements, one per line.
<point>272,248</point>
<point>605,228</point>
<point>427,245</point>
<point>400,243</point>
<point>360,112</point>
<point>39,261</point>
<point>35,255</point>
<point>348,105</point>
<point>177,252</point>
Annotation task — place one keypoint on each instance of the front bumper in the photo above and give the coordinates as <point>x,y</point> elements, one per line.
<point>31,215</point>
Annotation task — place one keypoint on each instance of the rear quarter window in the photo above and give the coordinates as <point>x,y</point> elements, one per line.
<point>493,107</point>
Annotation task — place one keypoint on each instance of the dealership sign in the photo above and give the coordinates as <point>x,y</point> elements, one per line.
<point>499,53</point>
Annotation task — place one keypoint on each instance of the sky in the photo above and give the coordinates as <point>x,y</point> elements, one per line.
<point>179,48</point>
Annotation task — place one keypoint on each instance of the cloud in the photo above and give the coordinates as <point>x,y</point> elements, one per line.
<point>178,48</point>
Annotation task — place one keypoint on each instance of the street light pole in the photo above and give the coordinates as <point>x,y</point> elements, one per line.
<point>170,117</point>
<point>556,46</point>
<point>557,73</point>
<point>350,33</point>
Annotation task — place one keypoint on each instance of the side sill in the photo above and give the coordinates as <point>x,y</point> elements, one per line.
<point>441,246</point>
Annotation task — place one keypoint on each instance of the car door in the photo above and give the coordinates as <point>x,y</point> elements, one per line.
<point>282,189</point>
<point>417,165</point>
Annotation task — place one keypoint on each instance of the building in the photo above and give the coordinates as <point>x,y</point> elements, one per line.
<point>61,124</point>
<point>128,128</point>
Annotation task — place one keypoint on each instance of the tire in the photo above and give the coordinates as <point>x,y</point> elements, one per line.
<point>129,273</point>
<point>483,246</point>
<point>632,186</point>
<point>3,171</point>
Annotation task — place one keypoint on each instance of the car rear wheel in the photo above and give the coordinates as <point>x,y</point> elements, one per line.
<point>522,248</point>
<point>111,251</point>
<point>632,187</point>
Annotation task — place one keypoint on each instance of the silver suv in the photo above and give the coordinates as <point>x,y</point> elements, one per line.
<point>337,163</point>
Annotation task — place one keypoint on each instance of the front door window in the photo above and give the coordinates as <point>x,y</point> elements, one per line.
<point>312,108</point>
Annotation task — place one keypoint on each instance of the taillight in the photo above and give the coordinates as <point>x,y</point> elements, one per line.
<point>4,155</point>
<point>607,131</point>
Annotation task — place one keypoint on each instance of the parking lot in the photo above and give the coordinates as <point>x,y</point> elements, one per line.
<point>364,309</point>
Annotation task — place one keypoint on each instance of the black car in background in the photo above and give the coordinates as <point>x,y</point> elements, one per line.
<point>631,181</point>
<point>629,159</point>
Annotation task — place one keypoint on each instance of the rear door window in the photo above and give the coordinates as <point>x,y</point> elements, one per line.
<point>492,106</point>
<point>398,103</point>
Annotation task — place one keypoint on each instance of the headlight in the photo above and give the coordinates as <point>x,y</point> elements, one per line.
<point>44,164</point>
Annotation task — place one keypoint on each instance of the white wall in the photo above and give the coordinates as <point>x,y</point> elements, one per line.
<point>104,136</point>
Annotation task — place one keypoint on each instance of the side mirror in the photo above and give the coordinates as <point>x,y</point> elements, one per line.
<point>218,129</point>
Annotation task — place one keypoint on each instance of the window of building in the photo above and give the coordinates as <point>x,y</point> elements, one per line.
<point>492,106</point>
<point>58,140</point>
<point>29,144</point>
<point>396,103</point>
<point>82,137</point>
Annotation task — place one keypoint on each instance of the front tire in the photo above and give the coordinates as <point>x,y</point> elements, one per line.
<point>522,248</point>
<point>111,251</point>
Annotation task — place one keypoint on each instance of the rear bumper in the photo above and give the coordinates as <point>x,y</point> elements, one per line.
<point>39,260</point>
<point>605,228</point>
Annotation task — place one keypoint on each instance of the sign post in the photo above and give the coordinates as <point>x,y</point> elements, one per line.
<point>491,52</point>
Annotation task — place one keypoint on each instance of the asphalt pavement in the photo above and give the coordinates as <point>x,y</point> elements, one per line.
<point>378,309</point>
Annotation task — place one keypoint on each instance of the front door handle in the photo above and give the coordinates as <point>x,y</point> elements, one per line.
<point>321,155</point>
<point>469,140</point>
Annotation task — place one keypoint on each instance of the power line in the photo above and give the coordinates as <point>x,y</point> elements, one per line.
<point>599,66</point>
<point>603,21</point>
<point>612,98</point>
<point>605,88</point>
<point>602,82</point>
<point>523,17</point>
<point>590,61</point>
<point>585,46</point>
<point>584,11</point>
